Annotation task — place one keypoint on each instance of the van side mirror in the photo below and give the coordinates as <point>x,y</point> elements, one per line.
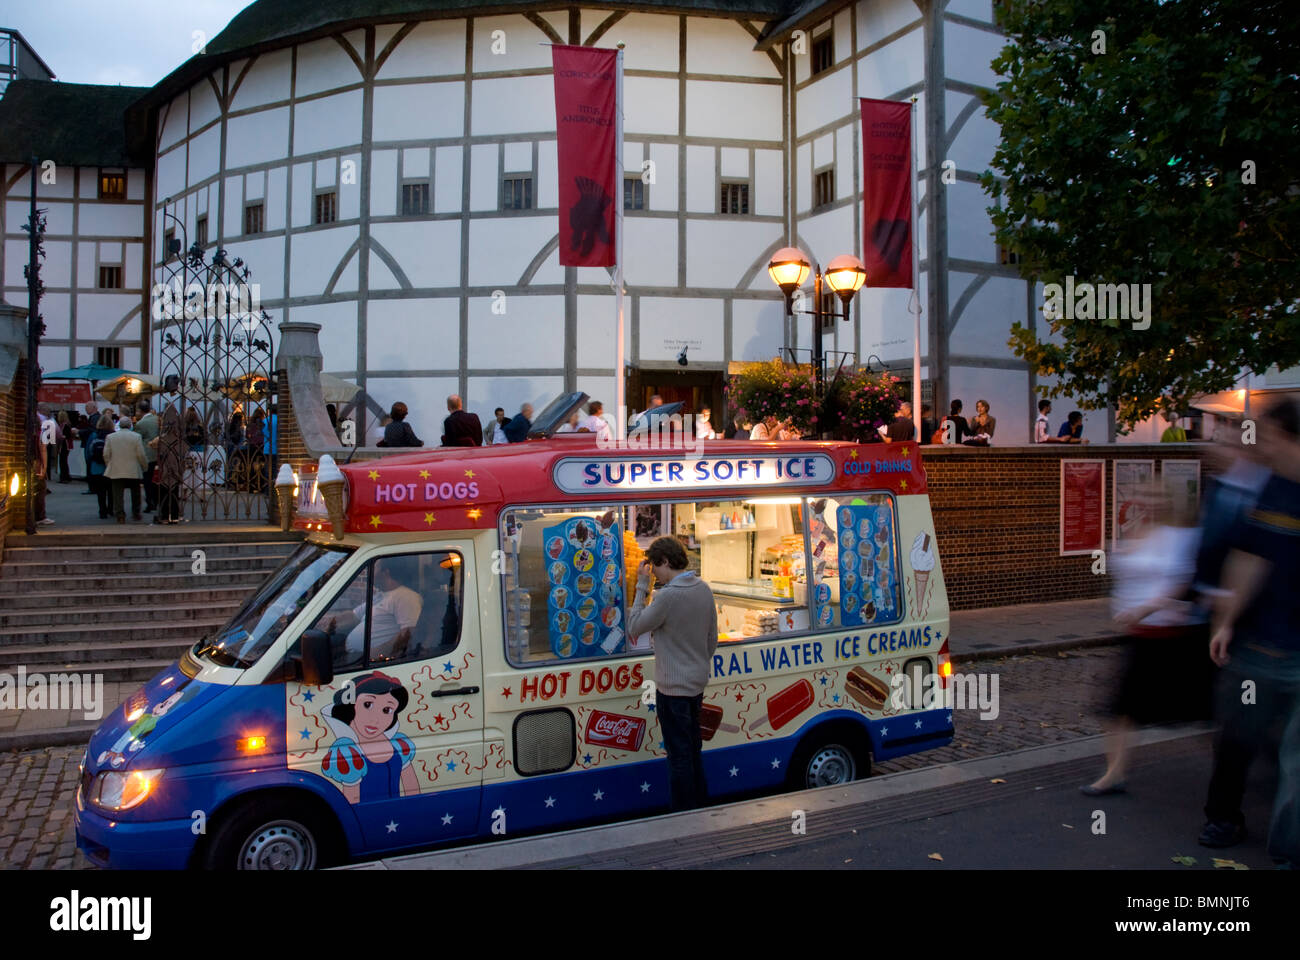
<point>317,660</point>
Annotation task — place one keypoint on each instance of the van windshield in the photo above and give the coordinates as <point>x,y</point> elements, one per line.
<point>276,603</point>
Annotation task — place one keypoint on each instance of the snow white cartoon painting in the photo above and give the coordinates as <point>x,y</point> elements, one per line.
<point>369,759</point>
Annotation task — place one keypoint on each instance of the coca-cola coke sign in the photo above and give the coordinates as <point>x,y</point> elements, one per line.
<point>614,730</point>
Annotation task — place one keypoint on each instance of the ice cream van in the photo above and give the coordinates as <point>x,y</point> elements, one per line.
<point>445,656</point>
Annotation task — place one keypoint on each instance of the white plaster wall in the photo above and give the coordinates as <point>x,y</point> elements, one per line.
<point>598,332</point>
<point>204,152</point>
<point>448,166</point>
<point>99,313</point>
<point>484,181</point>
<point>757,329</point>
<point>827,100</point>
<point>523,44</point>
<point>414,111</point>
<point>110,220</point>
<point>420,334</point>
<point>968,53</point>
<point>720,252</point>
<point>701,180</point>
<point>985,324</point>
<point>265,258</point>
<point>314,258</point>
<point>324,65</point>
<point>56,271</point>
<point>976,9</point>
<point>273,211</point>
<point>724,47</point>
<point>652,41</point>
<point>887,323</point>
<point>428,50</point>
<point>233,212</point>
<point>267,80</point>
<point>649,106</point>
<point>663,192</point>
<point>487,393</point>
<point>426,399</point>
<point>877,19</point>
<point>667,324</point>
<point>650,251</point>
<point>259,137</point>
<point>327,123</point>
<point>427,250</point>
<point>173,122</point>
<point>302,202</point>
<point>546,185</point>
<point>970,231</point>
<point>846,168</point>
<point>383,183</point>
<point>338,335</point>
<point>169,175</point>
<point>511,105</point>
<point>526,335</point>
<point>893,67</point>
<point>501,249</point>
<point>56,309</point>
<point>743,111</point>
<point>978,138</point>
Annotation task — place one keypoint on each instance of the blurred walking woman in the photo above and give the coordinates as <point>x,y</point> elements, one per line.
<point>1168,677</point>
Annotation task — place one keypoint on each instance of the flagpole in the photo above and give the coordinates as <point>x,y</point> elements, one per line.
<point>620,378</point>
<point>916,291</point>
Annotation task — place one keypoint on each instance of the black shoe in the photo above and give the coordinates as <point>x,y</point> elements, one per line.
<point>1119,786</point>
<point>1221,833</point>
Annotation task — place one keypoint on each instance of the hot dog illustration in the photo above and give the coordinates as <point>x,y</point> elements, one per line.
<point>711,722</point>
<point>784,705</point>
<point>866,690</point>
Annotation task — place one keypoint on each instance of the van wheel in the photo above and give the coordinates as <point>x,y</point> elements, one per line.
<point>275,835</point>
<point>829,759</point>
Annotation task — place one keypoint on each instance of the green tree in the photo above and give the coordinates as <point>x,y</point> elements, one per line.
<point>1172,158</point>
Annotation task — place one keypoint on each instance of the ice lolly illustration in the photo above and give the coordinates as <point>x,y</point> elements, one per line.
<point>922,558</point>
<point>711,722</point>
<point>785,705</point>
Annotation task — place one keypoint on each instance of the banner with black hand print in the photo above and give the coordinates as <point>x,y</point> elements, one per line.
<point>586,123</point>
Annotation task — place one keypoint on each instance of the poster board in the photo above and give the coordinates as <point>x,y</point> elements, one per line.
<point>1181,481</point>
<point>1130,518</point>
<point>1082,520</point>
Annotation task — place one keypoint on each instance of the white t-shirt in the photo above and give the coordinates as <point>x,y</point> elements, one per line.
<point>759,432</point>
<point>498,435</point>
<point>1042,429</point>
<point>394,611</point>
<point>704,430</point>
<point>597,425</point>
<point>1153,567</point>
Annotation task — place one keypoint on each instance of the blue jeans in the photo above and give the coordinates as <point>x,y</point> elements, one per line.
<point>679,722</point>
<point>1245,729</point>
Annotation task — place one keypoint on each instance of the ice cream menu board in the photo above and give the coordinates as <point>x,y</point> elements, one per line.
<point>584,558</point>
<point>866,560</point>
<point>1083,506</point>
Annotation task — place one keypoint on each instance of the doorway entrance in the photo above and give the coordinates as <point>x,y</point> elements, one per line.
<point>694,389</point>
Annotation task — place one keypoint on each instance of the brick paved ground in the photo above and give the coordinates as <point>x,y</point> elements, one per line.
<point>1042,699</point>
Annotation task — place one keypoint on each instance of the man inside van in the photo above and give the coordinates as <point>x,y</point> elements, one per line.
<point>684,624</point>
<point>393,615</point>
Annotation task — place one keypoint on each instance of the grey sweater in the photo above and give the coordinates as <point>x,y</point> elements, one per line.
<point>684,622</point>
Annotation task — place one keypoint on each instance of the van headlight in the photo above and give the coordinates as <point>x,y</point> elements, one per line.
<point>123,790</point>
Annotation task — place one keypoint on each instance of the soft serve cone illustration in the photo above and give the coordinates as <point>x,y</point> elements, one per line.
<point>922,558</point>
<point>286,486</point>
<point>329,481</point>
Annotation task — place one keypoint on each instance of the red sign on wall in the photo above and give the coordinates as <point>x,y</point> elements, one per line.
<point>63,393</point>
<point>1083,506</point>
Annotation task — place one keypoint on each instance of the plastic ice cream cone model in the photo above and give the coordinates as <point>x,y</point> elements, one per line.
<point>922,558</point>
<point>329,481</point>
<point>285,485</point>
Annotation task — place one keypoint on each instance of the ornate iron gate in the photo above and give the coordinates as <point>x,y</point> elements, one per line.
<point>215,349</point>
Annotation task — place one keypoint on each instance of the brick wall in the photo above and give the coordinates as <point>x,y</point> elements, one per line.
<point>997,515</point>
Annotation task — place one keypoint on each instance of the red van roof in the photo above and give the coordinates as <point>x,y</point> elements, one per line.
<point>465,488</point>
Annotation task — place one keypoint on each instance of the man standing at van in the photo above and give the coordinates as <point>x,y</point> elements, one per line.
<point>684,623</point>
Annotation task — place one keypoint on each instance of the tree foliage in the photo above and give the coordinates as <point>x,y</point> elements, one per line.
<point>1133,165</point>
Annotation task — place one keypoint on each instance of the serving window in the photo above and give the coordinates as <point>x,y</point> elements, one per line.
<point>565,583</point>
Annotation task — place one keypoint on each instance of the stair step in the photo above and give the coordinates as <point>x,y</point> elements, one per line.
<point>144,551</point>
<point>84,569</point>
<point>78,633</point>
<point>145,609</point>
<point>182,533</point>
<point>42,657</point>
<point>159,583</point>
<point>115,671</point>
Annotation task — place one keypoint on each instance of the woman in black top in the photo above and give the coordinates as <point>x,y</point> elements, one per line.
<point>961,429</point>
<point>399,433</point>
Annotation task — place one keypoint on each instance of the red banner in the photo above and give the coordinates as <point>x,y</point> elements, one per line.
<point>586,124</point>
<point>63,393</point>
<point>887,192</point>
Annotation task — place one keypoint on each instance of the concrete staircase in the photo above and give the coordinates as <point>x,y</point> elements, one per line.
<point>124,606</point>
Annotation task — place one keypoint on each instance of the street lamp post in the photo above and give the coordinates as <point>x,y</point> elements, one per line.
<point>845,274</point>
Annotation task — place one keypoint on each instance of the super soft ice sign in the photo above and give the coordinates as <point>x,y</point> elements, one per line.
<point>578,475</point>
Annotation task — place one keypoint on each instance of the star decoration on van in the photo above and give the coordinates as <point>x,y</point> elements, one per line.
<point>375,521</point>
<point>446,819</point>
<point>918,724</point>
<point>308,696</point>
<point>598,796</point>
<point>645,787</point>
<point>835,698</point>
<point>392,826</point>
<point>470,474</point>
<point>902,484</point>
<point>505,692</point>
<point>854,453</point>
<point>374,474</point>
<point>776,762</point>
<point>550,802</point>
<point>424,474</point>
<point>305,733</point>
<point>474,514</point>
<point>733,771</point>
<point>451,765</point>
<point>440,720</point>
<point>904,451</point>
<point>429,518</point>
